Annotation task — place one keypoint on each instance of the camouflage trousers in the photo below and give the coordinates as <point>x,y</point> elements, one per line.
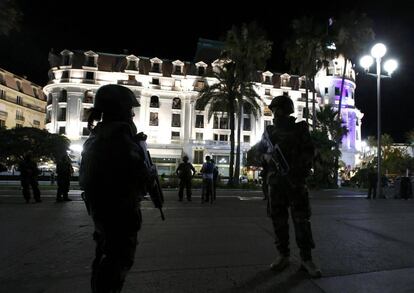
<point>116,240</point>
<point>282,197</point>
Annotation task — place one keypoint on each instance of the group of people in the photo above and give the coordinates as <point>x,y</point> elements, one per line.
<point>210,174</point>
<point>113,198</point>
<point>29,173</point>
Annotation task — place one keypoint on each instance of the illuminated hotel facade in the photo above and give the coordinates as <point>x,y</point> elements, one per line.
<point>167,91</point>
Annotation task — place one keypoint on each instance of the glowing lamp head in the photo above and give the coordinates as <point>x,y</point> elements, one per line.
<point>378,51</point>
<point>390,66</point>
<point>366,62</point>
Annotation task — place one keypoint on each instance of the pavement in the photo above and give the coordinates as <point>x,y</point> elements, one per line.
<point>361,245</point>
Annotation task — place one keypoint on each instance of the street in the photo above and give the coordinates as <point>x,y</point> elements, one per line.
<point>361,245</point>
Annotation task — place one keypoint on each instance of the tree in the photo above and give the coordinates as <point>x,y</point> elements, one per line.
<point>16,142</point>
<point>306,51</point>
<point>249,49</point>
<point>222,97</point>
<point>328,130</point>
<point>10,17</point>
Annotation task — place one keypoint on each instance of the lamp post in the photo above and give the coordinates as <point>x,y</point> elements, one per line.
<point>378,51</point>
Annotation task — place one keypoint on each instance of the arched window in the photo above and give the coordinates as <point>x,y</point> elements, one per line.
<point>176,104</point>
<point>88,97</point>
<point>154,103</point>
<point>63,98</point>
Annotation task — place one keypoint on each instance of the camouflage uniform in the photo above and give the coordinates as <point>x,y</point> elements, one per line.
<point>290,190</point>
<point>112,175</point>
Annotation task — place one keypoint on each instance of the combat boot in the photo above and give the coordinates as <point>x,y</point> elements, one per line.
<point>280,263</point>
<point>311,268</point>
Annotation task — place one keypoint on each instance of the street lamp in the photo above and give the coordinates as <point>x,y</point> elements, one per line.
<point>378,51</point>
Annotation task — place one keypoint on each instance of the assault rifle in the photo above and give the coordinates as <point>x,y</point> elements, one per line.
<point>153,185</point>
<point>277,159</point>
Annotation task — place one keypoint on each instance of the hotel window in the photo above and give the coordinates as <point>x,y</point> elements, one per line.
<point>176,103</point>
<point>199,136</point>
<point>36,95</point>
<point>337,91</point>
<point>199,123</point>
<point>90,61</point>
<point>198,157</point>
<point>36,123</point>
<point>49,99</point>
<point>246,124</point>
<point>224,137</point>
<point>154,102</point>
<point>48,116</point>
<point>156,81</point>
<point>201,70</point>
<point>267,92</point>
<point>303,96</point>
<point>62,130</point>
<point>346,93</point>
<point>65,74</point>
<point>176,120</point>
<point>175,135</point>
<point>90,75</point>
<point>199,85</point>
<point>19,115</point>
<point>85,131</point>
<point>247,108</point>
<point>18,125</point>
<point>61,114</point>
<point>224,124</point>
<point>326,91</point>
<point>66,60</point>
<point>268,80</point>
<point>177,69</point>
<point>155,67</point>
<point>88,97</point>
<point>153,119</point>
<point>2,123</point>
<point>63,97</point>
<point>19,100</point>
<point>132,65</point>
<point>3,95</point>
<point>19,86</point>
<point>246,138</point>
<point>286,94</point>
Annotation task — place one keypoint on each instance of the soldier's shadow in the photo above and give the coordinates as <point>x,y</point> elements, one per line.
<point>275,282</point>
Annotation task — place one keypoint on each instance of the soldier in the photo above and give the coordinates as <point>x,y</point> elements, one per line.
<point>286,182</point>
<point>28,177</point>
<point>185,172</point>
<point>113,174</point>
<point>64,171</point>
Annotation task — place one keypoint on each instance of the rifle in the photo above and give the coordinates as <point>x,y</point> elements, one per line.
<point>277,161</point>
<point>154,188</point>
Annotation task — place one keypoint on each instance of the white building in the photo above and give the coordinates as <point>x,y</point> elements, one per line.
<point>167,91</point>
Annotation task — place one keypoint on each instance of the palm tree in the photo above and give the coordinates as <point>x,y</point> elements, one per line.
<point>10,17</point>
<point>352,33</point>
<point>306,51</point>
<point>249,49</point>
<point>222,97</point>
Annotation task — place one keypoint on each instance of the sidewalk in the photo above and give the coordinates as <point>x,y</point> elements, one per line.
<point>361,246</point>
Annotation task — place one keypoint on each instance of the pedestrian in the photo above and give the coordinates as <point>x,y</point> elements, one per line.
<point>372,183</point>
<point>265,188</point>
<point>64,172</point>
<point>185,173</point>
<point>113,175</point>
<point>406,190</point>
<point>28,178</point>
<point>207,190</point>
<point>288,151</point>
<point>52,178</point>
<point>216,174</point>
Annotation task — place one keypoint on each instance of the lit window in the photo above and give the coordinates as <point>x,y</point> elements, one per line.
<point>198,157</point>
<point>199,121</point>
<point>176,120</point>
<point>154,102</point>
<point>199,136</point>
<point>246,138</point>
<point>176,103</point>
<point>153,119</point>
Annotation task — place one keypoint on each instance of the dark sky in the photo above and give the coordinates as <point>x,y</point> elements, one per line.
<point>171,29</point>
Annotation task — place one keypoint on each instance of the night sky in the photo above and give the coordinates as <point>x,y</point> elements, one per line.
<point>171,30</point>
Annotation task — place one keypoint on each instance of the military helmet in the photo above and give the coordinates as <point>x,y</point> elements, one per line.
<point>113,98</point>
<point>282,102</point>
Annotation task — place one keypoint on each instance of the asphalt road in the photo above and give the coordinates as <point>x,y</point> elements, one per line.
<point>361,245</point>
